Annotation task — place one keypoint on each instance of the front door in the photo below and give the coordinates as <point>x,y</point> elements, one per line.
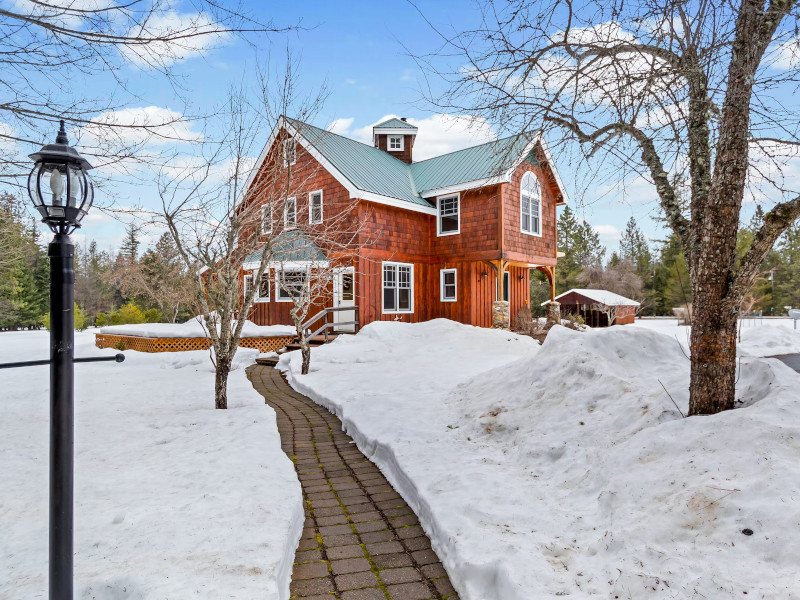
<point>344,295</point>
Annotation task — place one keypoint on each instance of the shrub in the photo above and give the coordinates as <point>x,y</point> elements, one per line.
<point>127,314</point>
<point>525,324</point>
<point>153,315</point>
<point>574,322</point>
<point>101,320</point>
<point>79,319</point>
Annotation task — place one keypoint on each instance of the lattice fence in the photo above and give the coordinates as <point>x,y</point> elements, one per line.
<point>143,344</point>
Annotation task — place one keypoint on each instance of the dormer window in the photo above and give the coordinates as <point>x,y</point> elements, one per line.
<point>395,143</point>
<point>289,152</point>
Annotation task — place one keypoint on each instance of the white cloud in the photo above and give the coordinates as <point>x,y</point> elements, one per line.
<point>341,126</point>
<point>607,233</point>
<point>152,125</point>
<point>437,135</point>
<point>184,36</point>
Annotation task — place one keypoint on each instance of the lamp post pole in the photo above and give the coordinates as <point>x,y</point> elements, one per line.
<point>62,338</point>
<point>62,193</point>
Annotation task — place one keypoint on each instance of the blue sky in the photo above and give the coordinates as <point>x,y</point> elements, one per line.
<point>357,47</point>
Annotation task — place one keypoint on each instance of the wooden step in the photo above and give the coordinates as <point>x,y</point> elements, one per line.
<point>269,361</point>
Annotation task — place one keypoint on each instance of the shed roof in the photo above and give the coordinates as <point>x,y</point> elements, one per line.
<point>601,297</point>
<point>394,123</point>
<point>291,246</point>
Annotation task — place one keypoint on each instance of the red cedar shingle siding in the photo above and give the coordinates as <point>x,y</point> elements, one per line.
<point>406,236</point>
<point>516,244</point>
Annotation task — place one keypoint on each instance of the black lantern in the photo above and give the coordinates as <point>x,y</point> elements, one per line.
<point>58,185</point>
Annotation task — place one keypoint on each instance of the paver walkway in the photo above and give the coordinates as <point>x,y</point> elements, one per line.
<point>360,540</point>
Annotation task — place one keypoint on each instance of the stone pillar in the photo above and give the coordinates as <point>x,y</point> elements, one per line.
<point>553,309</point>
<point>501,318</point>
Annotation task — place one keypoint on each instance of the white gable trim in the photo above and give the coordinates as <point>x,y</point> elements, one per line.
<point>378,199</point>
<point>395,131</point>
<point>470,185</point>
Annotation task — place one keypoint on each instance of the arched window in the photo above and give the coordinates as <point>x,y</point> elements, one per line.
<point>531,204</point>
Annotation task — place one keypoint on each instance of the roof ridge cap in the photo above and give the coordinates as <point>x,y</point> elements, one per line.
<point>498,140</point>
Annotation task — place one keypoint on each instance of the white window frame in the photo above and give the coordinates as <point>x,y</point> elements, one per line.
<point>286,225</point>
<point>279,274</point>
<point>258,297</point>
<point>286,143</point>
<point>389,142</point>
<point>530,217</point>
<point>500,284</point>
<point>266,211</point>
<point>442,273</point>
<point>311,220</point>
<point>439,199</point>
<point>397,311</point>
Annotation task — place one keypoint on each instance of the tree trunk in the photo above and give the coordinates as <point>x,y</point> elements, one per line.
<point>713,348</point>
<point>221,382</point>
<point>305,349</point>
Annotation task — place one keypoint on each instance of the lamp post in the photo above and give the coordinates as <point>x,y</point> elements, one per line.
<point>63,194</point>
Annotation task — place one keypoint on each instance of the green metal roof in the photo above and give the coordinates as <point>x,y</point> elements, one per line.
<point>470,164</point>
<point>366,167</point>
<point>291,246</point>
<point>394,123</point>
<point>372,170</point>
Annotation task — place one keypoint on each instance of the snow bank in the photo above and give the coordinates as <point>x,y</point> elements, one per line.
<point>769,341</point>
<point>193,328</point>
<point>173,499</point>
<point>759,337</point>
<point>570,470</point>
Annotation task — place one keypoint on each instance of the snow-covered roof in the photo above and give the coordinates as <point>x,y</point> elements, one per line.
<point>601,296</point>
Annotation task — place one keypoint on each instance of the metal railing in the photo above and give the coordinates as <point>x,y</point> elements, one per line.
<point>327,324</point>
<point>34,363</point>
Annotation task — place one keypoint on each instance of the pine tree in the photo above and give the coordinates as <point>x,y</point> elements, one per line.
<point>129,249</point>
<point>581,247</point>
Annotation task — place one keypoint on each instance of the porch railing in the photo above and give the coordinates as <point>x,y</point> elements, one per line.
<point>328,324</point>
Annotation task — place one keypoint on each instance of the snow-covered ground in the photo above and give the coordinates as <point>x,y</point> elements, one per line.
<point>173,499</point>
<point>568,470</point>
<point>759,337</point>
<point>193,328</point>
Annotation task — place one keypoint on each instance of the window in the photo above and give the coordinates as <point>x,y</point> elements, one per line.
<point>447,285</point>
<point>398,288</point>
<point>290,213</point>
<point>448,221</point>
<point>506,287</point>
<point>395,143</point>
<point>290,284</point>
<point>289,152</point>
<point>315,207</point>
<point>266,219</point>
<point>262,295</point>
<point>531,204</point>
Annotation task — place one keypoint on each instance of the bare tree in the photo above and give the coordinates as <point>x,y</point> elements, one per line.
<point>51,50</point>
<point>660,88</point>
<point>620,278</point>
<point>609,310</point>
<point>220,217</point>
<point>328,247</point>
<point>160,276</point>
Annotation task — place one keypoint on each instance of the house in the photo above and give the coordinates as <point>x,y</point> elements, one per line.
<point>598,307</point>
<point>448,237</point>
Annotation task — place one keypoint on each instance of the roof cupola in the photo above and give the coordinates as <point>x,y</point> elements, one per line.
<point>395,136</point>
